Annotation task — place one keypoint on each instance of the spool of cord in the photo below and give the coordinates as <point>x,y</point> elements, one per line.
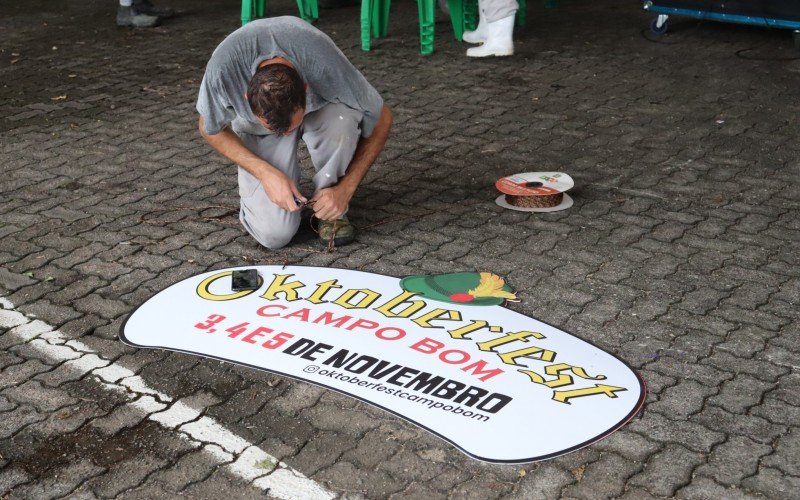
<point>535,191</point>
<point>544,201</point>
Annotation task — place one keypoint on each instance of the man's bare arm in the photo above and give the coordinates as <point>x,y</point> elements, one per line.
<point>330,203</point>
<point>279,187</point>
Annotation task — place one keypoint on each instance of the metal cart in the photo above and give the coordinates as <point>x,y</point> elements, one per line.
<point>784,14</point>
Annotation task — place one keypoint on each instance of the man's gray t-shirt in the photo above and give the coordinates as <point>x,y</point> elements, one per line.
<point>330,76</point>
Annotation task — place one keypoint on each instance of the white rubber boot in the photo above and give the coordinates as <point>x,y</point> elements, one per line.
<point>499,39</point>
<point>479,35</point>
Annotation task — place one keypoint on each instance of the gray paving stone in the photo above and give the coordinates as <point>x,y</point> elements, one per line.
<point>371,450</point>
<point>668,470</point>
<point>706,488</point>
<point>734,460</point>
<point>321,452</point>
<point>628,444</point>
<point>6,404</point>
<point>740,394</point>
<point>763,371</point>
<point>606,477</point>
<point>353,422</point>
<point>754,427</point>
<point>14,281</point>
<point>542,482</point>
<point>475,489</point>
<point>16,419</point>
<point>787,455</point>
<point>62,482</point>
<point>416,490</point>
<point>682,400</point>
<point>219,485</point>
<point>125,475</point>
<point>68,419</point>
<point>42,398</point>
<point>345,477</point>
<point>122,417</point>
<point>698,438</point>
<point>188,469</point>
<point>11,477</point>
<point>772,483</point>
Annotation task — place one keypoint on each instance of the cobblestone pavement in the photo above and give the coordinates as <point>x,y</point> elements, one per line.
<point>680,254</point>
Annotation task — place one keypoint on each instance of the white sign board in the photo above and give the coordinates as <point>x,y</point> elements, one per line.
<point>500,386</point>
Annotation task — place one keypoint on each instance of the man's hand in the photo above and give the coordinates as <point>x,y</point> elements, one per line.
<point>279,187</point>
<point>281,190</point>
<point>331,203</point>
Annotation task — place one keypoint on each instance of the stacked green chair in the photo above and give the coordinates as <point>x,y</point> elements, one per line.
<point>463,16</point>
<point>253,9</point>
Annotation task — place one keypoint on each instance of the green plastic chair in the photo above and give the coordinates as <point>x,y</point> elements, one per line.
<point>253,9</point>
<point>463,16</point>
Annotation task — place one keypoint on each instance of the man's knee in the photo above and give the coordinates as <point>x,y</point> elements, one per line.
<point>275,241</point>
<point>335,124</point>
<point>270,234</point>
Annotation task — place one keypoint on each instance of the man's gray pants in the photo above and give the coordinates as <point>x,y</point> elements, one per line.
<point>494,10</point>
<point>331,135</point>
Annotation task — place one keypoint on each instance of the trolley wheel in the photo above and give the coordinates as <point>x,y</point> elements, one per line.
<point>796,37</point>
<point>656,29</point>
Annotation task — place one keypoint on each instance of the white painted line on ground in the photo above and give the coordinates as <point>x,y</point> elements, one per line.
<point>244,459</point>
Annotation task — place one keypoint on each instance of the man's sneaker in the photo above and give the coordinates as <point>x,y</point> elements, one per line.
<point>147,7</point>
<point>341,230</point>
<point>128,16</point>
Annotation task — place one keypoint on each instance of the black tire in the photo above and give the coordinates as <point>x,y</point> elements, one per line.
<point>654,28</point>
<point>796,37</point>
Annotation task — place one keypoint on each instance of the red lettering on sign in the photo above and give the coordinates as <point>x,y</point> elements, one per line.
<point>262,310</point>
<point>261,331</point>
<point>427,346</point>
<point>363,323</point>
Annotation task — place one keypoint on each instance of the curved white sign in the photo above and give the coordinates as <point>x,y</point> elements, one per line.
<point>435,350</point>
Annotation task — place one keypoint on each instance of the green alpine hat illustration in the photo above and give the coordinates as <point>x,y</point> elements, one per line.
<point>475,289</point>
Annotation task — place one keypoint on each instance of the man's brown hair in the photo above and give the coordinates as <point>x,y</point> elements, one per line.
<point>275,93</point>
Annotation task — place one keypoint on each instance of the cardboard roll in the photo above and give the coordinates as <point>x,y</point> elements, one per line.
<point>535,184</point>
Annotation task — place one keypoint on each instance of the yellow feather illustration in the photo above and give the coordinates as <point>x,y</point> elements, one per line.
<point>491,285</point>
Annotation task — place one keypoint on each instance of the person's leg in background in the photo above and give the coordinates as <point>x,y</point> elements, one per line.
<point>331,135</point>
<point>147,7</point>
<point>127,15</point>
<point>495,29</point>
<point>270,225</point>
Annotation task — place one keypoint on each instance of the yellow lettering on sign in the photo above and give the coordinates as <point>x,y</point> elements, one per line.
<point>322,289</point>
<point>561,379</point>
<point>369,297</point>
<point>509,337</point>
<point>437,314</point>
<point>204,291</point>
<point>474,326</point>
<point>279,285</point>
<point>413,306</point>
<point>510,358</point>
<point>608,390</point>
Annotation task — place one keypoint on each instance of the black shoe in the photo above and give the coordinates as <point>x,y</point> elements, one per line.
<point>128,16</point>
<point>147,7</point>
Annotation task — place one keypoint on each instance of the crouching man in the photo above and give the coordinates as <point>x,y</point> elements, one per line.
<point>266,86</point>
